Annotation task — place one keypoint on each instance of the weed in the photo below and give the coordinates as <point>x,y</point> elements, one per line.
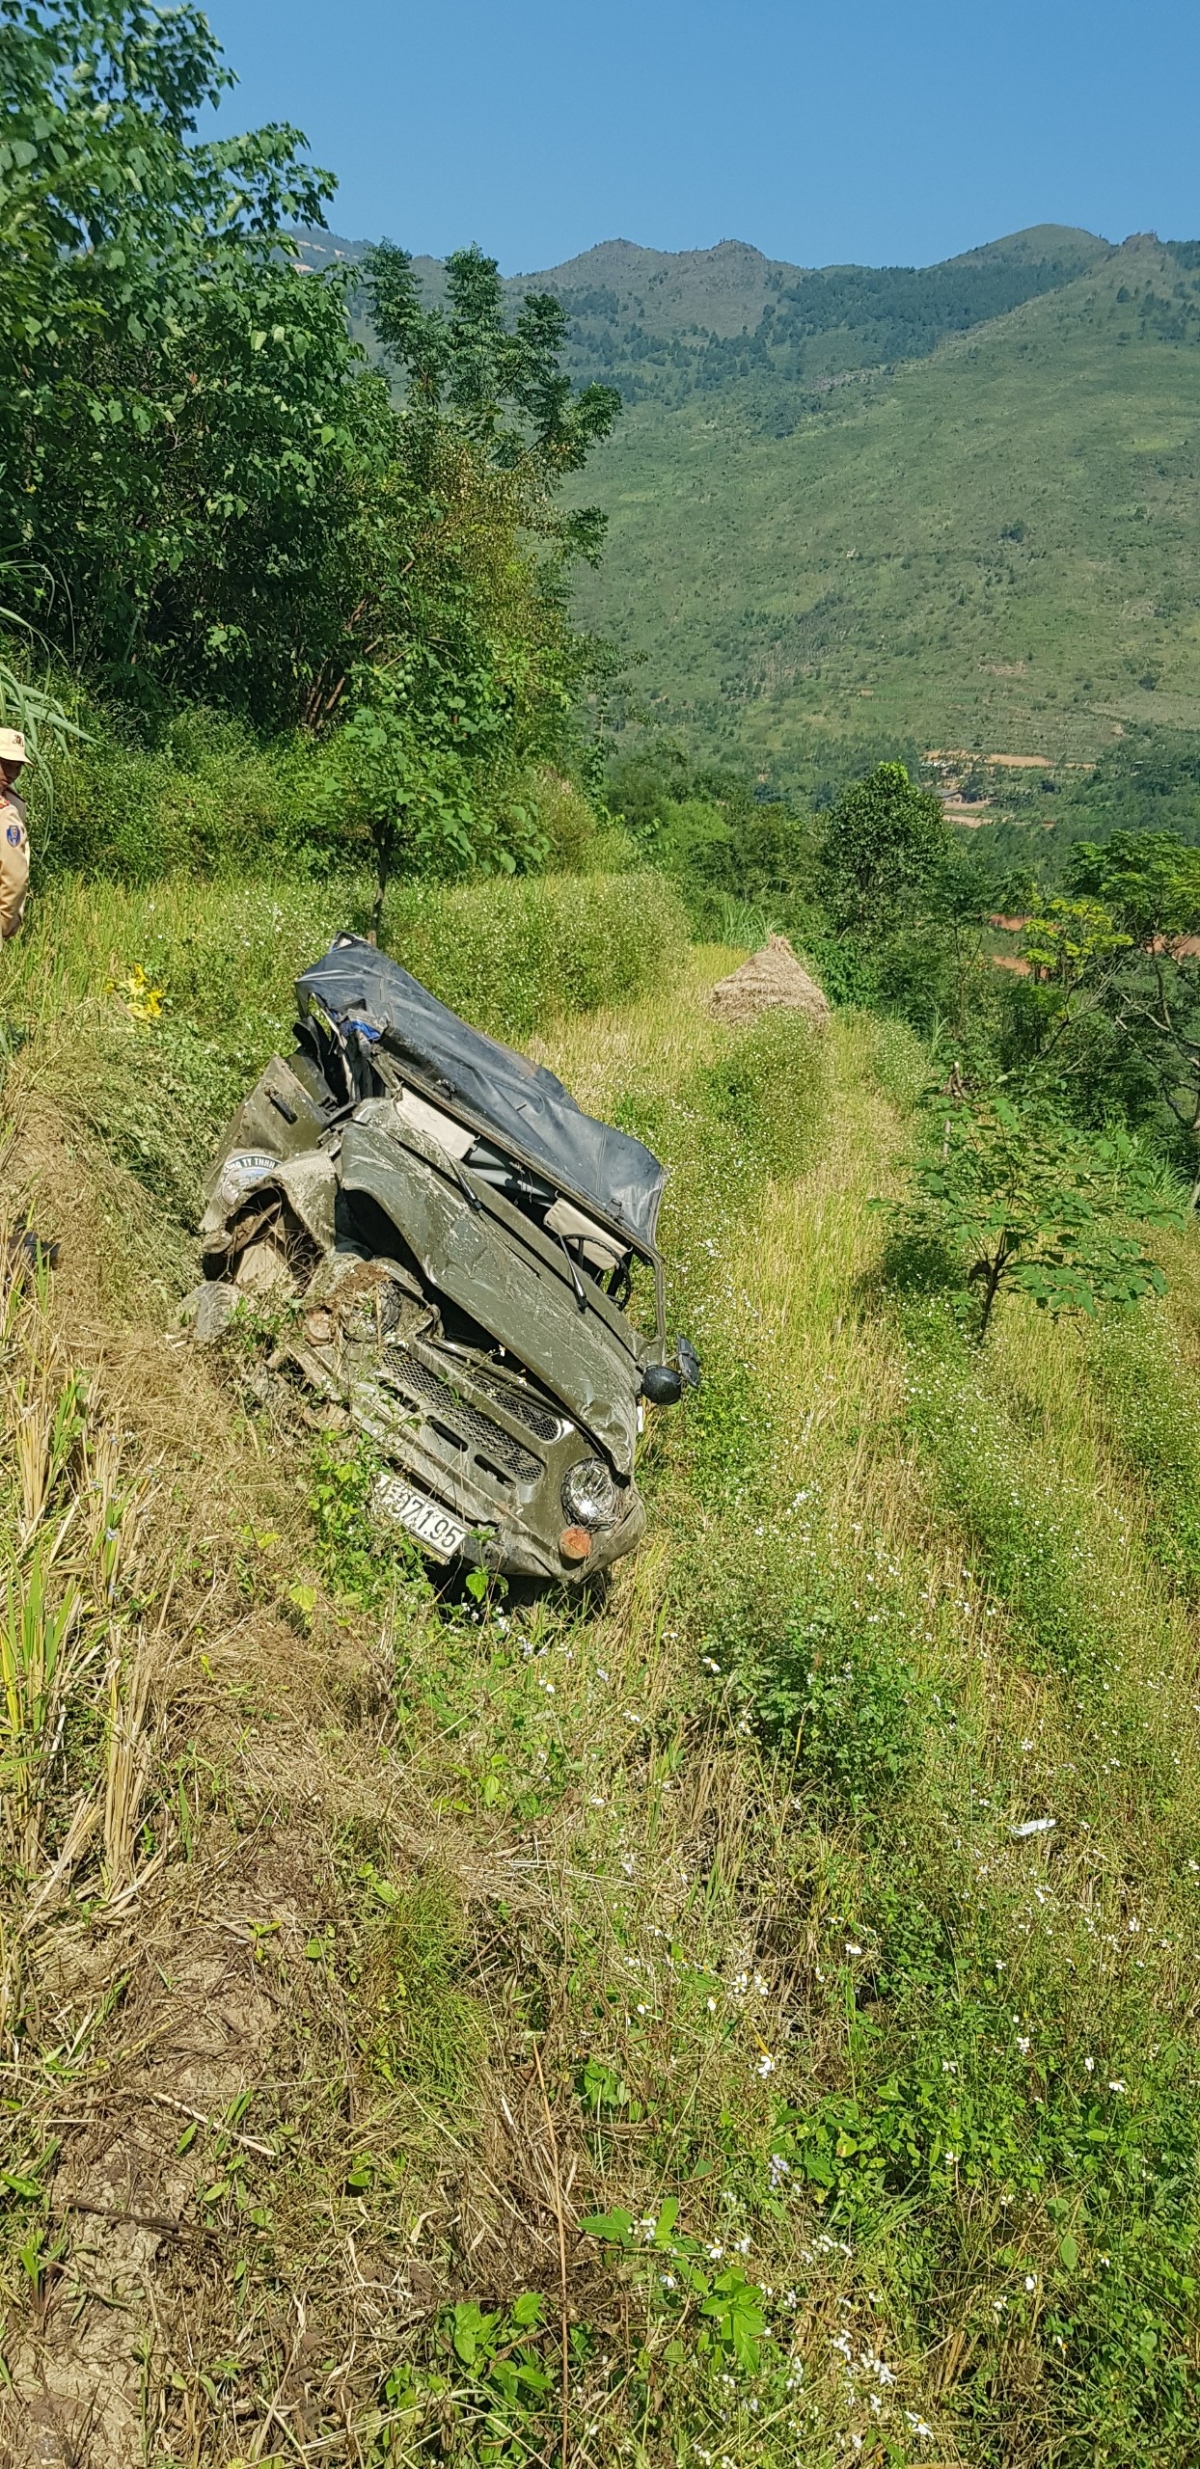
<point>360,1564</point>
<point>840,1694</point>
<point>1143,1379</point>
<point>766,1095</point>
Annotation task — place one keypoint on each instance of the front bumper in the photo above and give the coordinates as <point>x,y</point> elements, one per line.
<point>488,1450</point>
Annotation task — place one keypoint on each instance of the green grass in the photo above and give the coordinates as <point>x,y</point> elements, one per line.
<point>699,1918</point>
<point>513,956</point>
<point>990,547</point>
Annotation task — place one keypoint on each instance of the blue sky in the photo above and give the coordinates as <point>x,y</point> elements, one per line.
<point>865,131</point>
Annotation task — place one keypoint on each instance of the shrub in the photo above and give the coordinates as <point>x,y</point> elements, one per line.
<point>207,798</point>
<point>1030,1203</point>
<point>885,845</point>
<point>576,838</point>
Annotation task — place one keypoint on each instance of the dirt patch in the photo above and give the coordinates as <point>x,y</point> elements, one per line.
<point>771,977</point>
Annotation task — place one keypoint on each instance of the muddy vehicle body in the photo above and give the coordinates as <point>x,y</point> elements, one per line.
<point>454,1241</point>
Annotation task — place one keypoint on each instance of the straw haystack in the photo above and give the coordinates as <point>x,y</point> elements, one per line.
<point>771,976</point>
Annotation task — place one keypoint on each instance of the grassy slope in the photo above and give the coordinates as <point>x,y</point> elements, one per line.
<point>354,1862</point>
<point>779,582</point>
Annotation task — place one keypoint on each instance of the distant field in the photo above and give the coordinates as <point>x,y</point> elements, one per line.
<point>993,547</point>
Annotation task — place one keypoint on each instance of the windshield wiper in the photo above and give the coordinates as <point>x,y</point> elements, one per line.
<point>576,1281</point>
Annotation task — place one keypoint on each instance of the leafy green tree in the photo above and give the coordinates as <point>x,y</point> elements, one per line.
<point>1149,882</point>
<point>1027,1203</point>
<point>474,670</point>
<point>184,440</point>
<point>504,384</point>
<point>885,853</point>
<point>1113,956</point>
<point>206,492</point>
<point>728,848</point>
<point>408,777</point>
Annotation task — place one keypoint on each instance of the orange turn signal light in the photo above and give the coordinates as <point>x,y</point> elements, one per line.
<point>574,1542</point>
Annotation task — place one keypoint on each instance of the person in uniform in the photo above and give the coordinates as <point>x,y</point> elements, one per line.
<point>14,834</point>
<point>23,1252</point>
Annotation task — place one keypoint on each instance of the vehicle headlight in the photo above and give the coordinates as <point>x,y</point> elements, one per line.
<point>589,1494</point>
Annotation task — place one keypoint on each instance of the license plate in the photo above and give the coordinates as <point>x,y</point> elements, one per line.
<point>432,1526</point>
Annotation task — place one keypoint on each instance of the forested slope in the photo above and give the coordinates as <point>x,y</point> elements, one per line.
<point>888,508</point>
<point>990,547</point>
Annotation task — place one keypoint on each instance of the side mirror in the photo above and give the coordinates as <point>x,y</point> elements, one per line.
<point>662,1384</point>
<point>689,1362</point>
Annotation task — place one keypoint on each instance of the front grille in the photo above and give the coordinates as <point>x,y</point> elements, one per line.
<point>517,1402</point>
<point>422,1382</point>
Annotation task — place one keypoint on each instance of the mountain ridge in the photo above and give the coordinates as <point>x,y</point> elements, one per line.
<point>645,319</point>
<point>990,546</point>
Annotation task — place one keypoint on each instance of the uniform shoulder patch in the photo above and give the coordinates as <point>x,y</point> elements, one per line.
<point>14,835</point>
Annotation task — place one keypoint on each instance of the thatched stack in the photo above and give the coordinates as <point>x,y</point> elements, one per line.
<point>771,976</point>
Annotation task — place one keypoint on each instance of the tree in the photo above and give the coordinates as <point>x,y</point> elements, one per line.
<point>1027,1203</point>
<point>1148,881</point>
<point>185,438</point>
<point>503,384</point>
<point>1117,950</point>
<point>204,490</point>
<point>408,777</point>
<point>886,848</point>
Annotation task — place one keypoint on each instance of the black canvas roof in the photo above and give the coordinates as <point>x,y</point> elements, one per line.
<point>524,1105</point>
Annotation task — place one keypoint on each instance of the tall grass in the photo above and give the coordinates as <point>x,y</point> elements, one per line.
<point>203,795</point>
<point>517,956</point>
<point>932,1605</point>
<point>75,1688</point>
<point>512,957</point>
<point>209,799</point>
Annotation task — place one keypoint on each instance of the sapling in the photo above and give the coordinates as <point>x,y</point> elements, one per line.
<point>1030,1204</point>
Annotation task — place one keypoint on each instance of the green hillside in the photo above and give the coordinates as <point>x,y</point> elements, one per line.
<point>869,508</point>
<point>992,547</point>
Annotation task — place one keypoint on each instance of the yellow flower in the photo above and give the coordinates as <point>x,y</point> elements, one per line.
<point>137,995</point>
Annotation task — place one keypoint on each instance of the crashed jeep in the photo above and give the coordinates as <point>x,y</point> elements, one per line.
<point>458,1240</point>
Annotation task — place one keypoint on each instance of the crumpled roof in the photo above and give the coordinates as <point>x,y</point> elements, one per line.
<point>522,1103</point>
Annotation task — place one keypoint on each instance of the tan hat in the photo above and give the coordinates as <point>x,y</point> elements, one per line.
<point>12,746</point>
